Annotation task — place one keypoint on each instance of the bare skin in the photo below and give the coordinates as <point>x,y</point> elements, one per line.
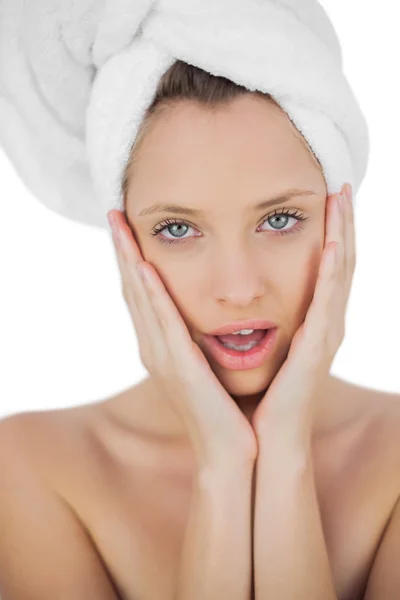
<point>131,485</point>
<point>125,466</point>
<point>239,263</point>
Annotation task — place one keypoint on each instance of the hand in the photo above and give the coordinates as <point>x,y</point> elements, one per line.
<point>216,426</point>
<point>293,393</point>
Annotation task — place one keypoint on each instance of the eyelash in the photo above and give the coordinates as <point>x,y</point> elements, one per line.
<point>168,222</point>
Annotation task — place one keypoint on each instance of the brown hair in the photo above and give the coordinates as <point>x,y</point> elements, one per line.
<point>183,81</point>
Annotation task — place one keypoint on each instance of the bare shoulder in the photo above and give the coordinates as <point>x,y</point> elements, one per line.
<point>57,452</point>
<point>32,449</point>
<point>366,400</point>
<point>388,410</point>
<point>64,445</point>
<point>379,412</point>
<point>382,405</point>
<point>41,437</point>
<point>42,447</point>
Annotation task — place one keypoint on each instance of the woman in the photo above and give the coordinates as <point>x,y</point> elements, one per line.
<point>248,473</point>
<point>216,476</point>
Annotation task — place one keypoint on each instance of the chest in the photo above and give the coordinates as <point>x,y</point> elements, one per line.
<point>137,517</point>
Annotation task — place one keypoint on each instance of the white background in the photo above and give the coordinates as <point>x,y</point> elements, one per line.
<point>66,337</point>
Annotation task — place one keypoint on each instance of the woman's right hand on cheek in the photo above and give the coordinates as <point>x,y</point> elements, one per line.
<point>218,430</point>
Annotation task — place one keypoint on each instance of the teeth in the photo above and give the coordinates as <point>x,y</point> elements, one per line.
<point>241,348</point>
<point>244,332</point>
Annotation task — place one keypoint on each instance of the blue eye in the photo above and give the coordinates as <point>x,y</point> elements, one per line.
<point>169,223</point>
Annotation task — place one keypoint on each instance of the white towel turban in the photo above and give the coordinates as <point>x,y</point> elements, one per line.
<point>76,77</point>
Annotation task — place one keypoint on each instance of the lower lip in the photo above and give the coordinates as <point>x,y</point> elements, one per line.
<point>242,361</point>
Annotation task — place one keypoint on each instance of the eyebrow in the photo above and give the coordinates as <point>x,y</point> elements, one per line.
<point>175,208</point>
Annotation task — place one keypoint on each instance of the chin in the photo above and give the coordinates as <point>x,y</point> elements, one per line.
<point>245,383</point>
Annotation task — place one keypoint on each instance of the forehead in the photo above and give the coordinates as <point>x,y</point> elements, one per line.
<point>249,145</point>
<point>248,125</point>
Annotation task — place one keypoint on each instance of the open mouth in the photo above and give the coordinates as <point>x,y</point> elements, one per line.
<point>242,352</point>
<point>242,342</point>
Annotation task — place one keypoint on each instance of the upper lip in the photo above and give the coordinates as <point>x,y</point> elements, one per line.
<point>238,325</point>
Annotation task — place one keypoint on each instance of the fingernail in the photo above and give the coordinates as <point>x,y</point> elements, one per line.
<point>114,229</point>
<point>340,202</point>
<point>349,192</point>
<point>111,218</point>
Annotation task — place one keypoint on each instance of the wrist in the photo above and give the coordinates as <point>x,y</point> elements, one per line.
<point>222,474</point>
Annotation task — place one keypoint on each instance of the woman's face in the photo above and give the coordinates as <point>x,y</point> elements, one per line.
<point>230,261</point>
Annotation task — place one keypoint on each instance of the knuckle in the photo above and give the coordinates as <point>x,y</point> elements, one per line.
<point>162,360</point>
<point>165,323</point>
<point>312,361</point>
<point>164,373</point>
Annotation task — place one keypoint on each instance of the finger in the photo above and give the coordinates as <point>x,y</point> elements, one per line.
<point>128,254</point>
<point>174,328</point>
<point>320,310</point>
<point>335,228</point>
<point>331,252</point>
<point>350,243</point>
<point>341,258</point>
<point>128,246</point>
<point>166,326</point>
<point>137,297</point>
<point>317,330</point>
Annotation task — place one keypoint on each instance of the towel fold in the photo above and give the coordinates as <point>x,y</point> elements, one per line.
<point>76,78</point>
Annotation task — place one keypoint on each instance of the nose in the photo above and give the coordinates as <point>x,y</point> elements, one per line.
<point>238,283</point>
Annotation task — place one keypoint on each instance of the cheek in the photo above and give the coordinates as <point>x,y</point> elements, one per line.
<point>176,281</point>
<point>304,275</point>
<point>293,278</point>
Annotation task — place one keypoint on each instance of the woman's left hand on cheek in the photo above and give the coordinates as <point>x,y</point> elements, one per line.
<point>291,397</point>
